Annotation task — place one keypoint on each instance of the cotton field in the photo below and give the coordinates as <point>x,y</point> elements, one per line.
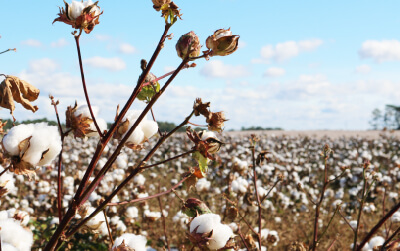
<point>289,183</point>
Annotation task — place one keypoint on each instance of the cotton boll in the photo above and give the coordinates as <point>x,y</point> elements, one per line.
<point>203,185</point>
<point>149,128</point>
<point>102,126</point>
<point>132,212</point>
<point>8,247</point>
<point>205,223</point>
<point>376,241</point>
<point>221,234</point>
<point>395,217</point>
<point>12,233</point>
<point>136,137</point>
<point>9,182</point>
<point>139,179</point>
<point>84,110</point>
<point>137,242</point>
<point>15,136</point>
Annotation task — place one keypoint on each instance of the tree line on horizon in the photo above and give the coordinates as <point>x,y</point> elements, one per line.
<point>389,118</point>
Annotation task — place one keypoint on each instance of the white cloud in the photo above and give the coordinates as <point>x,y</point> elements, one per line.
<point>59,43</point>
<point>363,69</point>
<point>380,51</point>
<point>112,64</point>
<point>274,72</point>
<point>32,43</point>
<point>218,69</point>
<point>286,50</point>
<point>126,48</point>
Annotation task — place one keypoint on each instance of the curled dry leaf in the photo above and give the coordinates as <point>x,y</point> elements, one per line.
<point>14,89</point>
<point>79,124</point>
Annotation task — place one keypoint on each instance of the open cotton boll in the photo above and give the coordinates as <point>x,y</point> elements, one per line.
<point>221,234</point>
<point>136,137</point>
<point>137,242</point>
<point>8,247</point>
<point>13,233</point>
<point>15,136</point>
<point>205,223</point>
<point>395,217</point>
<point>139,179</point>
<point>85,112</point>
<point>376,241</point>
<point>149,128</point>
<point>102,125</point>
<point>44,138</point>
<point>9,180</point>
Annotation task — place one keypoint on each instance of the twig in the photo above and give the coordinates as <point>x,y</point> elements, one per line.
<point>163,218</point>
<point>154,118</point>
<point>363,196</point>
<point>172,189</point>
<point>266,196</point>
<point>333,242</point>
<point>345,220</point>
<point>241,237</point>
<point>257,194</point>
<point>391,237</point>
<point>108,228</point>
<point>329,223</point>
<point>84,87</point>
<point>167,160</point>
<point>5,170</point>
<point>5,52</point>
<point>59,164</point>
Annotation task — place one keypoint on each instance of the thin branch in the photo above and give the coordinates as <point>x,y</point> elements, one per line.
<point>151,196</point>
<point>8,50</point>
<point>5,170</point>
<point>331,246</point>
<point>257,194</point>
<point>329,223</point>
<point>266,196</point>
<point>170,159</point>
<point>163,218</point>
<point>363,195</point>
<point>108,228</point>
<point>59,164</point>
<point>84,87</point>
<point>391,237</point>
<point>345,220</point>
<point>241,237</point>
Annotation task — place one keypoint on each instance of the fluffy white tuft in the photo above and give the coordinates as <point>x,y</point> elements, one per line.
<point>15,235</point>
<point>137,242</point>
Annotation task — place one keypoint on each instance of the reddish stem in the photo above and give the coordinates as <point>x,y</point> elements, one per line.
<point>84,87</point>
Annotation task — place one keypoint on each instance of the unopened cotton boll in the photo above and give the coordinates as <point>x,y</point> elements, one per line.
<point>137,242</point>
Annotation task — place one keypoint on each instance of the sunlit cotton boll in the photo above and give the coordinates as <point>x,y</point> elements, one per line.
<point>137,242</point>
<point>145,130</point>
<point>212,222</point>
<point>13,234</point>
<point>84,111</point>
<point>44,144</point>
<point>9,181</point>
<point>203,185</point>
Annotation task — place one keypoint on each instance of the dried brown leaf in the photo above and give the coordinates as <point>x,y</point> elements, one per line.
<point>14,89</point>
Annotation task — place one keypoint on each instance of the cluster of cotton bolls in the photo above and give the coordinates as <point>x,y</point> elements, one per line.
<point>13,234</point>
<point>296,159</point>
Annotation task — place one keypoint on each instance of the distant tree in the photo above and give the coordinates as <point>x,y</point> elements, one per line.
<point>376,120</point>
<point>390,119</point>
<point>259,128</point>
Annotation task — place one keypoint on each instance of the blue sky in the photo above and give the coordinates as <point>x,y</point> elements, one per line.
<point>301,65</point>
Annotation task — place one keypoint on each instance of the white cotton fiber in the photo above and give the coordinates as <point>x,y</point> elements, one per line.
<point>376,241</point>
<point>149,128</point>
<point>8,247</point>
<point>7,177</point>
<point>220,236</point>
<point>139,179</point>
<point>206,223</point>
<point>12,233</point>
<point>137,242</point>
<point>43,138</point>
<point>84,111</point>
<point>145,130</point>
<point>15,136</point>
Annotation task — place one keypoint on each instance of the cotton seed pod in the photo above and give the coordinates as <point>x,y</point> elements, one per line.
<point>222,42</point>
<point>213,144</point>
<point>188,45</point>
<point>80,15</point>
<point>194,207</point>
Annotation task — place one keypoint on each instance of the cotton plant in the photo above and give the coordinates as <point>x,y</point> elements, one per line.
<point>30,146</point>
<point>79,120</point>
<point>130,241</point>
